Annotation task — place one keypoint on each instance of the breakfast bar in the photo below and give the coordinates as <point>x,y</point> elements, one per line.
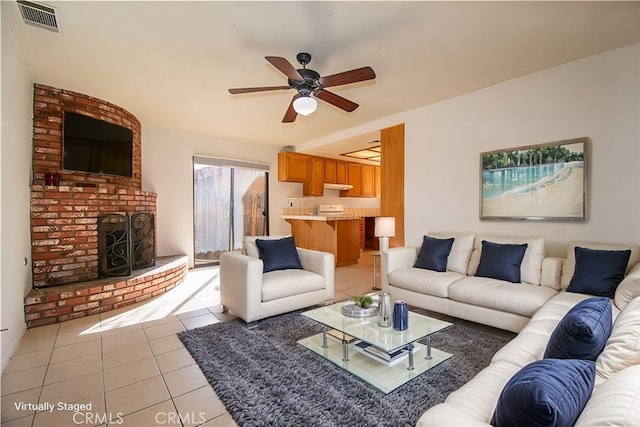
<point>336,234</point>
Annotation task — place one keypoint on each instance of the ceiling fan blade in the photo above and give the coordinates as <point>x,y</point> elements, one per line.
<point>285,67</point>
<point>257,89</point>
<point>336,100</point>
<point>352,76</point>
<point>290,115</point>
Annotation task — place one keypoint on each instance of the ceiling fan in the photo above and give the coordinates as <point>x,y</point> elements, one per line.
<point>308,82</point>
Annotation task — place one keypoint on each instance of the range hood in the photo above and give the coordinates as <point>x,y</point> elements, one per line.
<point>338,186</point>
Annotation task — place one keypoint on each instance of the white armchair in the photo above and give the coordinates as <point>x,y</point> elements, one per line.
<point>253,295</point>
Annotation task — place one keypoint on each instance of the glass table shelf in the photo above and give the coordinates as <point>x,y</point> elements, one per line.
<point>383,377</point>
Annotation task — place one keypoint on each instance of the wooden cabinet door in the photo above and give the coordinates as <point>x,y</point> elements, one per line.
<point>330,171</point>
<point>314,184</point>
<point>292,167</point>
<point>378,181</point>
<point>368,188</point>
<point>354,175</point>
<point>341,172</point>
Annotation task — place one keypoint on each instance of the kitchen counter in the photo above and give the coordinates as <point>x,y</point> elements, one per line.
<point>321,217</point>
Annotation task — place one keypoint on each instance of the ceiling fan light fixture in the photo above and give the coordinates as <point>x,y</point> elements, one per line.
<point>305,105</point>
<point>307,82</point>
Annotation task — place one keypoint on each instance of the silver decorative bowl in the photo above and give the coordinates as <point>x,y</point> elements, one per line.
<point>352,310</point>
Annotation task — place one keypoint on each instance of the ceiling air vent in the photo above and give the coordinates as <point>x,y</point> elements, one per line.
<point>39,15</point>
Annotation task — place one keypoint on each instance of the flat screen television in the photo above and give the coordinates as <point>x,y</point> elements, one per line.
<point>95,146</point>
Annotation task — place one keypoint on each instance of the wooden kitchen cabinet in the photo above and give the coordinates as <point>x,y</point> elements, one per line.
<point>314,184</point>
<point>354,177</point>
<point>378,181</point>
<point>335,171</point>
<point>341,172</point>
<point>314,171</point>
<point>368,184</point>
<point>292,167</point>
<point>363,179</point>
<point>330,171</point>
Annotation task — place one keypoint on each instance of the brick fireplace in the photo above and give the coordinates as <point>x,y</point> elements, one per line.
<point>64,217</point>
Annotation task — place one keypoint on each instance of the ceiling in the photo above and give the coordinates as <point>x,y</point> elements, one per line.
<point>171,63</point>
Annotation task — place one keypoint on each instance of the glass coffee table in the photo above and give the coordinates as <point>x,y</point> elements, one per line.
<point>345,342</point>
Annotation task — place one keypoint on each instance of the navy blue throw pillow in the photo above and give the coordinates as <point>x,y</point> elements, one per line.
<point>278,254</point>
<point>434,253</point>
<point>548,392</point>
<point>583,331</point>
<point>501,261</point>
<point>598,272</point>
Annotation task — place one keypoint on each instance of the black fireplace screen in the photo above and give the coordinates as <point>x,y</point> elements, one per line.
<point>125,243</point>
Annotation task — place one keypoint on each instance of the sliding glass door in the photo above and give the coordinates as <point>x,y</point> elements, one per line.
<point>229,202</point>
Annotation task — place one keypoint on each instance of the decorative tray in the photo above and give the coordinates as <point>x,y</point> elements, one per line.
<point>352,310</point>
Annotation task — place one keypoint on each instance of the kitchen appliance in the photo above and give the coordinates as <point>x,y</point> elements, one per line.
<point>329,210</point>
<point>331,186</point>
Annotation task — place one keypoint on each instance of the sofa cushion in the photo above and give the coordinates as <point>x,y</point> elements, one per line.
<point>501,261</point>
<point>278,254</point>
<point>623,346</point>
<point>531,267</point>
<point>434,253</point>
<point>583,331</point>
<point>570,261</point>
<point>479,396</point>
<point>551,272</point>
<point>526,347</point>
<point>548,392</point>
<point>424,281</point>
<point>461,249</point>
<point>545,320</point>
<point>250,248</point>
<point>285,283</point>
<point>615,402</point>
<point>444,414</point>
<point>629,288</point>
<point>598,272</point>
<point>523,299</point>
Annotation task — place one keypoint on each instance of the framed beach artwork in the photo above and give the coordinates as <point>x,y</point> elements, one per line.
<point>537,182</point>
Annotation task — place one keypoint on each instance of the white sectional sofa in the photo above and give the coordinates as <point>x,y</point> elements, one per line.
<point>457,292</point>
<point>533,308</point>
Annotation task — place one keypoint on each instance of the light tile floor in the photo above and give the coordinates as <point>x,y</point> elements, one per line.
<point>127,366</point>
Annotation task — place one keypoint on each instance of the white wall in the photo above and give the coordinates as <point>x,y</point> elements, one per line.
<point>597,97</point>
<point>15,178</point>
<point>167,157</point>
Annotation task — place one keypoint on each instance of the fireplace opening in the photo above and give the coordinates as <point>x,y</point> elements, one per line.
<point>125,243</point>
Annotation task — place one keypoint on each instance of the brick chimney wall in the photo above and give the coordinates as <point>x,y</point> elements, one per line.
<point>64,231</point>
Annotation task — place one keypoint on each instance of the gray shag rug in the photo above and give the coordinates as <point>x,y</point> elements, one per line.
<point>264,378</point>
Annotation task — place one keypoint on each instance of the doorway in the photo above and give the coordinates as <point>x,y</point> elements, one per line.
<point>230,201</point>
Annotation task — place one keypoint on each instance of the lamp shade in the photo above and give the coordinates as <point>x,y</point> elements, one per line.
<point>305,105</point>
<point>385,226</point>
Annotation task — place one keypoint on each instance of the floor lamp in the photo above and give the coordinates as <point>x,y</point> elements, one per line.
<point>385,228</point>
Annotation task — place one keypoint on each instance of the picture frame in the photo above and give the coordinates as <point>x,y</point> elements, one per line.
<point>536,182</point>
